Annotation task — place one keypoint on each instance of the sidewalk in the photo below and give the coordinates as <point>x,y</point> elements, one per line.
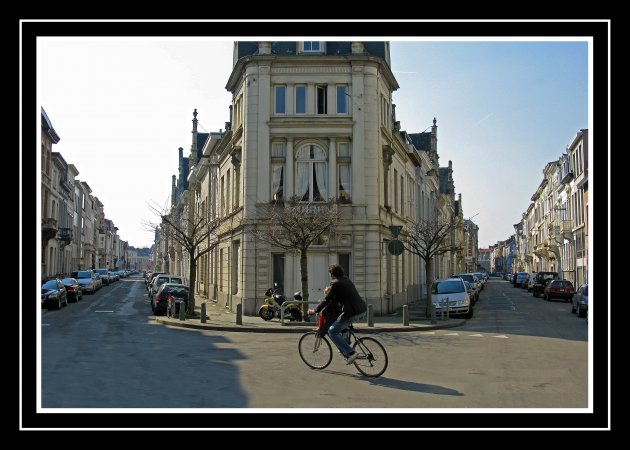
<point>218,318</point>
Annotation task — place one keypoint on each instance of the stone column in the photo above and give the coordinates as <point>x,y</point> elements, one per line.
<point>290,99</point>
<point>288,169</point>
<point>310,98</point>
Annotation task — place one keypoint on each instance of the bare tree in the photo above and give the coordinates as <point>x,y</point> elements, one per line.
<point>295,225</point>
<point>196,234</point>
<point>428,239</point>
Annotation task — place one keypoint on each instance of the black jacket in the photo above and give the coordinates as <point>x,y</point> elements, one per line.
<point>344,296</point>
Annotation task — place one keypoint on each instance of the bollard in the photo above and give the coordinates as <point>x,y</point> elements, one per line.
<point>239,314</point>
<point>182,311</point>
<point>432,313</point>
<point>406,315</point>
<point>370,316</point>
<point>203,312</point>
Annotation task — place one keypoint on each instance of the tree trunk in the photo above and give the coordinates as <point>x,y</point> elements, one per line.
<point>192,279</point>
<point>428,265</point>
<point>304,275</point>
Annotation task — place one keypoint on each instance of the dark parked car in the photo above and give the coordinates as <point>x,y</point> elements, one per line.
<point>166,294</point>
<point>580,301</point>
<point>541,281</point>
<point>54,294</point>
<point>562,289</point>
<point>73,289</point>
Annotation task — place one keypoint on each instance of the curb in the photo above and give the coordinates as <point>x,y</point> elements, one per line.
<point>363,329</point>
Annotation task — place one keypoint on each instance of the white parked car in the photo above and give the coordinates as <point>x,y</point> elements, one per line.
<point>530,281</point>
<point>451,293</point>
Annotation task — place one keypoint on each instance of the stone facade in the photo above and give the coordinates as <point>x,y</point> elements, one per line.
<point>316,120</point>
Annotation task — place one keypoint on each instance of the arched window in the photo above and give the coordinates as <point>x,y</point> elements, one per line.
<point>311,181</point>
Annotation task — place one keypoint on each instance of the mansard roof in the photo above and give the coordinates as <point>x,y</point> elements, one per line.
<point>201,141</point>
<point>286,48</point>
<point>47,126</point>
<point>422,141</point>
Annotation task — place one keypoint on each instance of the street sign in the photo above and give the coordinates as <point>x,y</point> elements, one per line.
<point>395,229</point>
<point>395,247</point>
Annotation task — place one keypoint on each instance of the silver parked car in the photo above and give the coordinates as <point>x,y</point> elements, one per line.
<point>451,293</point>
<point>87,279</point>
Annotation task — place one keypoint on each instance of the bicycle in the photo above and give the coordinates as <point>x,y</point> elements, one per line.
<point>317,353</point>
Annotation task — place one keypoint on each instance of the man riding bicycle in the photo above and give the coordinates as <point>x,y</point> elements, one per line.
<point>342,294</point>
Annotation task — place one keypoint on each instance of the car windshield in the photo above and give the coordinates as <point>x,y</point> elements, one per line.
<point>84,274</point>
<point>468,278</point>
<point>51,284</point>
<point>559,283</point>
<point>448,287</point>
<point>68,281</point>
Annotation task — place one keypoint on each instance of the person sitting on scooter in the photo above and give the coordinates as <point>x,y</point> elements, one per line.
<point>343,293</point>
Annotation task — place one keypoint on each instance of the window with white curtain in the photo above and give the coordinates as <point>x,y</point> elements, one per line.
<point>344,172</point>
<point>311,181</point>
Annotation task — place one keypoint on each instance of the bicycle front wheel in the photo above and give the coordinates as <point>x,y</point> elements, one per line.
<point>372,360</point>
<point>315,351</point>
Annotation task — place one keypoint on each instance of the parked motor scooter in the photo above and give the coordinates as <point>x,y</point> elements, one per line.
<point>274,299</point>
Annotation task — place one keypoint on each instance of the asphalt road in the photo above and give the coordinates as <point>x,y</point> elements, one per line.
<point>516,352</point>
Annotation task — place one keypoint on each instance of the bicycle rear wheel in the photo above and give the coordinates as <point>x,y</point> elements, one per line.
<point>372,360</point>
<point>315,351</point>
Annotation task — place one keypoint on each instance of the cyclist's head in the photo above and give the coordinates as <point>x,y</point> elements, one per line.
<point>335,270</point>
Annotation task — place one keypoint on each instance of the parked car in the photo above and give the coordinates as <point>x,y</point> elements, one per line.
<point>103,274</point>
<point>520,278</point>
<point>580,301</point>
<point>541,281</point>
<point>152,278</point>
<point>167,293</point>
<point>562,289</point>
<point>87,279</point>
<point>474,282</point>
<point>74,290</point>
<point>161,279</point>
<point>54,294</point>
<point>451,293</point>
<point>530,281</point>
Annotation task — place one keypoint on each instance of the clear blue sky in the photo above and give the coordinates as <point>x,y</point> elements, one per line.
<point>122,107</point>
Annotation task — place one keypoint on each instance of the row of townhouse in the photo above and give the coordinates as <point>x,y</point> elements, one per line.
<point>75,233</point>
<point>552,234</point>
<point>313,120</point>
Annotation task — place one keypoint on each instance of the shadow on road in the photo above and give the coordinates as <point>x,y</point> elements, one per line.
<point>412,386</point>
<point>400,384</point>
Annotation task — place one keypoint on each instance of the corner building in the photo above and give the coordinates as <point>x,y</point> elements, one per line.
<point>313,119</point>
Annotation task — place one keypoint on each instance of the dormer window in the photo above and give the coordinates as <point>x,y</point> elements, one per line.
<point>312,47</point>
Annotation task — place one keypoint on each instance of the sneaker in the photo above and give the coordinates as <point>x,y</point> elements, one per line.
<point>351,358</point>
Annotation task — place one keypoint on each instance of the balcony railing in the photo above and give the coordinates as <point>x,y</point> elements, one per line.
<point>49,229</point>
<point>65,235</point>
